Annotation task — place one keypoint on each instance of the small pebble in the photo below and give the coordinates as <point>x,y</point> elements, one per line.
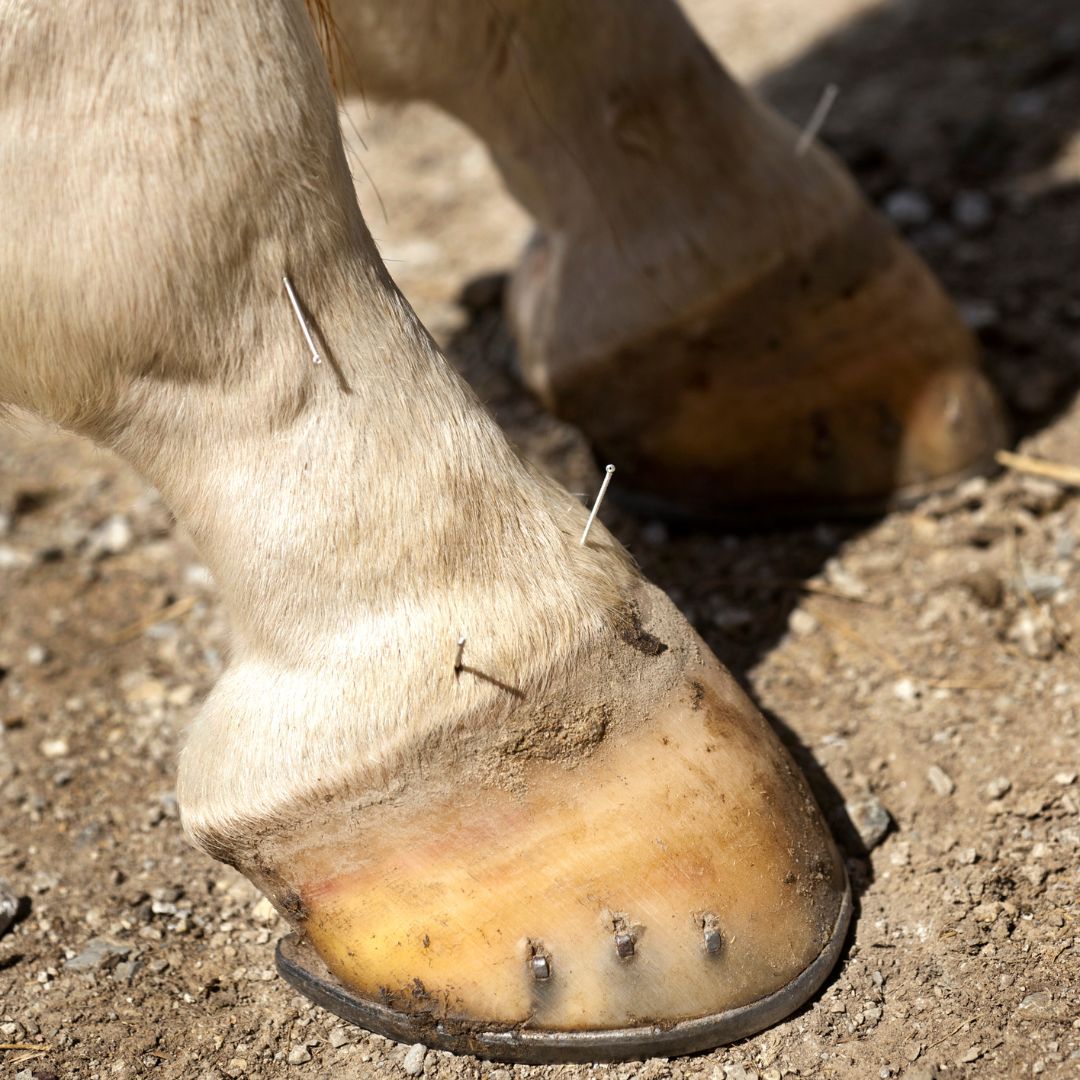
<point>1035,633</point>
<point>181,695</point>
<point>940,780</point>
<point>901,854</point>
<point>112,537</point>
<point>979,314</point>
<point>148,692</point>
<point>839,575</point>
<point>906,690</point>
<point>298,1055</point>
<point>739,1072</point>
<point>37,655</point>
<point>1036,1006</point>
<point>95,952</point>
<point>997,787</point>
<point>1065,778</point>
<point>972,210</point>
<point>11,559</point>
<point>126,970</point>
<point>802,623</point>
<point>871,820</point>
<point>413,1064</point>
<point>339,1037</point>
<point>198,576</point>
<point>264,912</point>
<point>1043,586</point>
<point>1035,873</point>
<point>908,208</point>
<point>54,748</point>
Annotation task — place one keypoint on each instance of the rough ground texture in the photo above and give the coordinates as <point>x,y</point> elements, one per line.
<point>925,667</point>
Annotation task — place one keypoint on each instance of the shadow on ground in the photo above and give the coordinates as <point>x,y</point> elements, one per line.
<point>974,95</point>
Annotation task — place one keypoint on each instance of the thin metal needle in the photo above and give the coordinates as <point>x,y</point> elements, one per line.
<point>596,505</point>
<point>817,120</point>
<point>315,357</point>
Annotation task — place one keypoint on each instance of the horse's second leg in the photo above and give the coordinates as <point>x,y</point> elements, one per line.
<point>724,316</point>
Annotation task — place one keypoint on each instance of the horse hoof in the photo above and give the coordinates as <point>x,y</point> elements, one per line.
<point>672,889</point>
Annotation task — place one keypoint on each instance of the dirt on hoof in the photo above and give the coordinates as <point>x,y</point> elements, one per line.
<point>924,670</point>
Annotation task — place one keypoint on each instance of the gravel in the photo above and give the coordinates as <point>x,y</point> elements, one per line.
<point>972,210</point>
<point>413,1062</point>
<point>113,536</point>
<point>908,209</point>
<point>299,1055</point>
<point>871,820</point>
<point>95,953</point>
<point>942,783</point>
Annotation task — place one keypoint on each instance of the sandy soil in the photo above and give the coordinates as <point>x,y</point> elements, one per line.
<point>924,668</point>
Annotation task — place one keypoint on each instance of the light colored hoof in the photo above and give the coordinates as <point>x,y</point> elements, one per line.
<point>300,966</point>
<point>673,889</point>
<point>838,382</point>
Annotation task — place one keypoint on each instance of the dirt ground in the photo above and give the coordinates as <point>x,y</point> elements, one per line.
<point>924,668</point>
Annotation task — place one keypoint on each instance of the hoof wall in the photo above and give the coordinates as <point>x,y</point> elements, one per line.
<point>674,888</point>
<point>299,965</point>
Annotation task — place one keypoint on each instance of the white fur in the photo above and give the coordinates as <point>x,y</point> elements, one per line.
<point>162,165</point>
